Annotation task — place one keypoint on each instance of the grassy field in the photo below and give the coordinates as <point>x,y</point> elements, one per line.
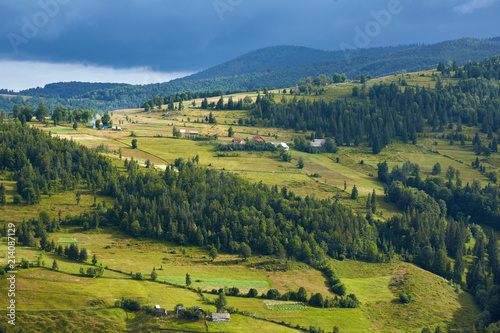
<point>348,320</point>
<point>67,240</point>
<point>284,306</point>
<point>436,302</point>
<point>244,324</point>
<point>206,283</point>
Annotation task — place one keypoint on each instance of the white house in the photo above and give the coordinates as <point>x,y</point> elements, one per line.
<point>183,131</point>
<point>281,144</point>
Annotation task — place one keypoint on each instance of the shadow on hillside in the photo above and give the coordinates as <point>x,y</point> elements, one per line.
<point>396,301</point>
<point>467,313</point>
<point>218,263</point>
<point>75,230</point>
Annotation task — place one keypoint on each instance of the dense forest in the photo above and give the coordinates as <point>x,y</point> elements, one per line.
<point>279,57</point>
<point>188,204</point>
<point>67,90</point>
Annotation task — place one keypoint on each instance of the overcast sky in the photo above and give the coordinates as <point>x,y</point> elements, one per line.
<point>145,41</point>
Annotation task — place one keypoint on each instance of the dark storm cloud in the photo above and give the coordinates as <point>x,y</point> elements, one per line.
<point>187,35</point>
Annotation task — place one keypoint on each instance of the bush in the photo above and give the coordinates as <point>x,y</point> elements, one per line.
<point>405,298</point>
<point>253,293</point>
<point>273,294</point>
<point>316,300</point>
<point>233,291</point>
<point>17,199</point>
<point>339,289</point>
<point>349,302</point>
<point>131,305</point>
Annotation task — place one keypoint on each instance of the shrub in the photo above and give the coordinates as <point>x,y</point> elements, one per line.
<point>233,291</point>
<point>339,289</point>
<point>131,305</point>
<point>316,300</point>
<point>253,293</point>
<point>273,294</point>
<point>405,298</point>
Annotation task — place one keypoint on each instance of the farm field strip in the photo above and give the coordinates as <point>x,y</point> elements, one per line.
<point>216,282</point>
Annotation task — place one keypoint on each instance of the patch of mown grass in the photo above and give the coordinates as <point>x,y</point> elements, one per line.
<point>67,240</point>
<point>196,281</point>
<point>87,320</point>
<point>348,320</point>
<point>243,324</point>
<point>40,289</point>
<point>285,306</point>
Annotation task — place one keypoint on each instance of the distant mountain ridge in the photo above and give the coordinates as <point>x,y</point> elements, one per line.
<point>277,57</point>
<point>68,89</point>
<point>279,72</point>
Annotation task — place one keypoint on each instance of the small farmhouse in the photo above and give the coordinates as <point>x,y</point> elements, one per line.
<point>220,317</point>
<point>238,140</point>
<point>182,131</point>
<point>159,312</point>
<point>258,138</point>
<point>319,143</point>
<point>193,133</point>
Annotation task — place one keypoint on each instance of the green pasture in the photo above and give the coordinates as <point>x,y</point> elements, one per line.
<point>215,282</point>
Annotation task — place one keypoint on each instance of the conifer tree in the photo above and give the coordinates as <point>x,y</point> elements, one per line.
<point>354,193</point>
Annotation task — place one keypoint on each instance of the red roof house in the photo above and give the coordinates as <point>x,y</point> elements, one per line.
<point>258,138</point>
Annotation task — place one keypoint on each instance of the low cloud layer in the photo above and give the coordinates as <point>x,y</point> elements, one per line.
<point>19,75</point>
<point>472,5</point>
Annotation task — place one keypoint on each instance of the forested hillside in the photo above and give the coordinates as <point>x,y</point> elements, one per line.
<point>66,90</point>
<point>277,57</point>
<point>383,112</point>
<point>240,75</point>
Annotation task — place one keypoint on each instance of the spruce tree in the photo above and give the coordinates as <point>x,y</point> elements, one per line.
<point>374,202</point>
<point>354,193</point>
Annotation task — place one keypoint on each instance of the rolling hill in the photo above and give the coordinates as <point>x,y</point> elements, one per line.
<point>278,57</point>
<point>273,67</point>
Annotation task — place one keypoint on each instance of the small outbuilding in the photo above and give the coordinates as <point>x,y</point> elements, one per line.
<point>182,131</point>
<point>220,317</point>
<point>193,133</point>
<point>319,143</point>
<point>159,312</point>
